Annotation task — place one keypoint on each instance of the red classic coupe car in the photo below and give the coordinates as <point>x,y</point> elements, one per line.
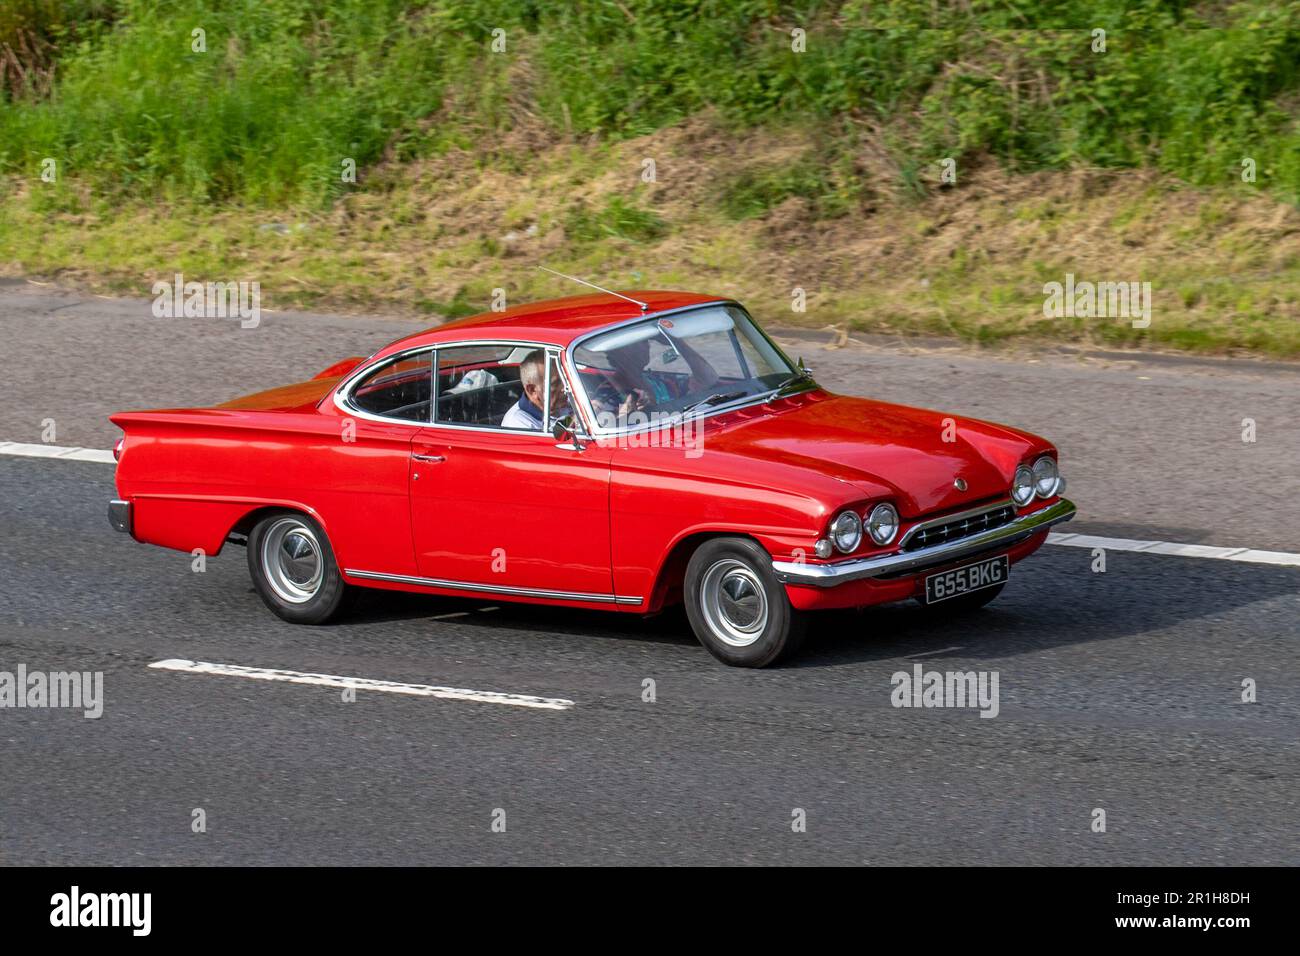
<point>622,451</point>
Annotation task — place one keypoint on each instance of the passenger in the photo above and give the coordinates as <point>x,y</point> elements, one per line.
<point>527,412</point>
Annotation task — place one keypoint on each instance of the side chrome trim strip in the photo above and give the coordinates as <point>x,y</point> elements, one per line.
<point>493,588</point>
<point>829,575</point>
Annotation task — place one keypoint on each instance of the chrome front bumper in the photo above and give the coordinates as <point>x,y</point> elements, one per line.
<point>902,562</point>
<point>119,515</point>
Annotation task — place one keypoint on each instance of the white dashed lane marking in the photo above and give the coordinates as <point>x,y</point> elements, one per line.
<point>55,451</point>
<point>364,684</point>
<point>1247,555</point>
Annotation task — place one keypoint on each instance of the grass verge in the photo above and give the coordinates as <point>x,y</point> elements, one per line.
<point>734,214</point>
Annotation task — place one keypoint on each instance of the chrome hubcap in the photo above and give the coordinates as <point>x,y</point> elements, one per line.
<point>734,602</point>
<point>291,558</point>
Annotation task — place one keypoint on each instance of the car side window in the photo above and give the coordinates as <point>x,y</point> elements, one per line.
<point>478,384</point>
<point>399,390</point>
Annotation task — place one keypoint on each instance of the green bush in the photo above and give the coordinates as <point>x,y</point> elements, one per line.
<point>289,89</point>
<point>268,113</point>
<point>31,33</point>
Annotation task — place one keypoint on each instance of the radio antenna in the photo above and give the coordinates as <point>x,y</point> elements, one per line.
<point>644,307</point>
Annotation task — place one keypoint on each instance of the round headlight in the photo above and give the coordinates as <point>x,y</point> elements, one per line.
<point>846,531</point>
<point>1046,478</point>
<point>882,523</point>
<point>1022,486</point>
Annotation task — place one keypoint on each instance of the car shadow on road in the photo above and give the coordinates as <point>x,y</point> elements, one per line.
<point>1053,600</point>
<point>1056,600</point>
<point>668,627</point>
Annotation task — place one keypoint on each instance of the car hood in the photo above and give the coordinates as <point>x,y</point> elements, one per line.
<point>914,456</point>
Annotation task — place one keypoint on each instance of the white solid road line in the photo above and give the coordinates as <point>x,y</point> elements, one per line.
<point>362,683</point>
<point>55,451</point>
<point>1248,555</point>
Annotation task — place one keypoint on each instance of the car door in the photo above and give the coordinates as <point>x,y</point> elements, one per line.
<point>359,465</point>
<point>508,511</point>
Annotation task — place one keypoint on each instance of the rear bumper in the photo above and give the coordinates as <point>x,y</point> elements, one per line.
<point>119,515</point>
<point>908,562</point>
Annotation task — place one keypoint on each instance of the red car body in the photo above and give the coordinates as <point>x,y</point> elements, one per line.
<point>605,523</point>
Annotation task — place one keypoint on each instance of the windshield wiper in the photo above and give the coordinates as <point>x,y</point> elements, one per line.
<point>804,374</point>
<point>788,385</point>
<point>715,399</point>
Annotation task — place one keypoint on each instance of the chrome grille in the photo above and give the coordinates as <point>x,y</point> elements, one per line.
<point>955,527</point>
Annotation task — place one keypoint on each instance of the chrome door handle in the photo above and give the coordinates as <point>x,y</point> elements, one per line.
<point>429,458</point>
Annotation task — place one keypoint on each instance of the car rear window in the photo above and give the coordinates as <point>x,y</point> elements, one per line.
<point>400,390</point>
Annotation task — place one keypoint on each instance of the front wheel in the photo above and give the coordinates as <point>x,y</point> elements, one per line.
<point>737,607</point>
<point>293,568</point>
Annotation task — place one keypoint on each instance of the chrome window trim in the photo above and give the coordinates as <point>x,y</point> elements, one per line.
<point>547,358</point>
<point>569,370</point>
<point>590,413</point>
<point>493,588</point>
<point>959,516</point>
<point>343,393</point>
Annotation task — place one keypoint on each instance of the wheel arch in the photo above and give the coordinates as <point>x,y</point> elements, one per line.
<point>668,582</point>
<point>256,511</point>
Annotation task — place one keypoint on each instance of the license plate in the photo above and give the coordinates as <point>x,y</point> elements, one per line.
<point>972,577</point>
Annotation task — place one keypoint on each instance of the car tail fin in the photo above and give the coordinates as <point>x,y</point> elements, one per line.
<point>339,369</point>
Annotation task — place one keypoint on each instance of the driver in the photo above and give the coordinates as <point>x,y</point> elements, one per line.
<point>640,389</point>
<point>527,412</point>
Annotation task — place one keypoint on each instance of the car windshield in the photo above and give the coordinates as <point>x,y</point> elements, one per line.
<point>664,367</point>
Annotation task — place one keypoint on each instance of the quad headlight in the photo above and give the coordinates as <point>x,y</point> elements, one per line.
<point>846,531</point>
<point>882,523</point>
<point>1022,486</point>
<point>1046,478</point>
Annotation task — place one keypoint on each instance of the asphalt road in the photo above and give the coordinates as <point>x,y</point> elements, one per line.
<point>1119,691</point>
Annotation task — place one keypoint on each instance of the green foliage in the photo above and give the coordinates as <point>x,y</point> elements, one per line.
<point>288,89</point>
<point>267,113</point>
<point>31,33</point>
<point>757,191</point>
<point>49,19</point>
<point>457,308</point>
<point>617,218</point>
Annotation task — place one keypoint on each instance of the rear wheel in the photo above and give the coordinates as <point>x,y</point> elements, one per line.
<point>293,568</point>
<point>737,608</point>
